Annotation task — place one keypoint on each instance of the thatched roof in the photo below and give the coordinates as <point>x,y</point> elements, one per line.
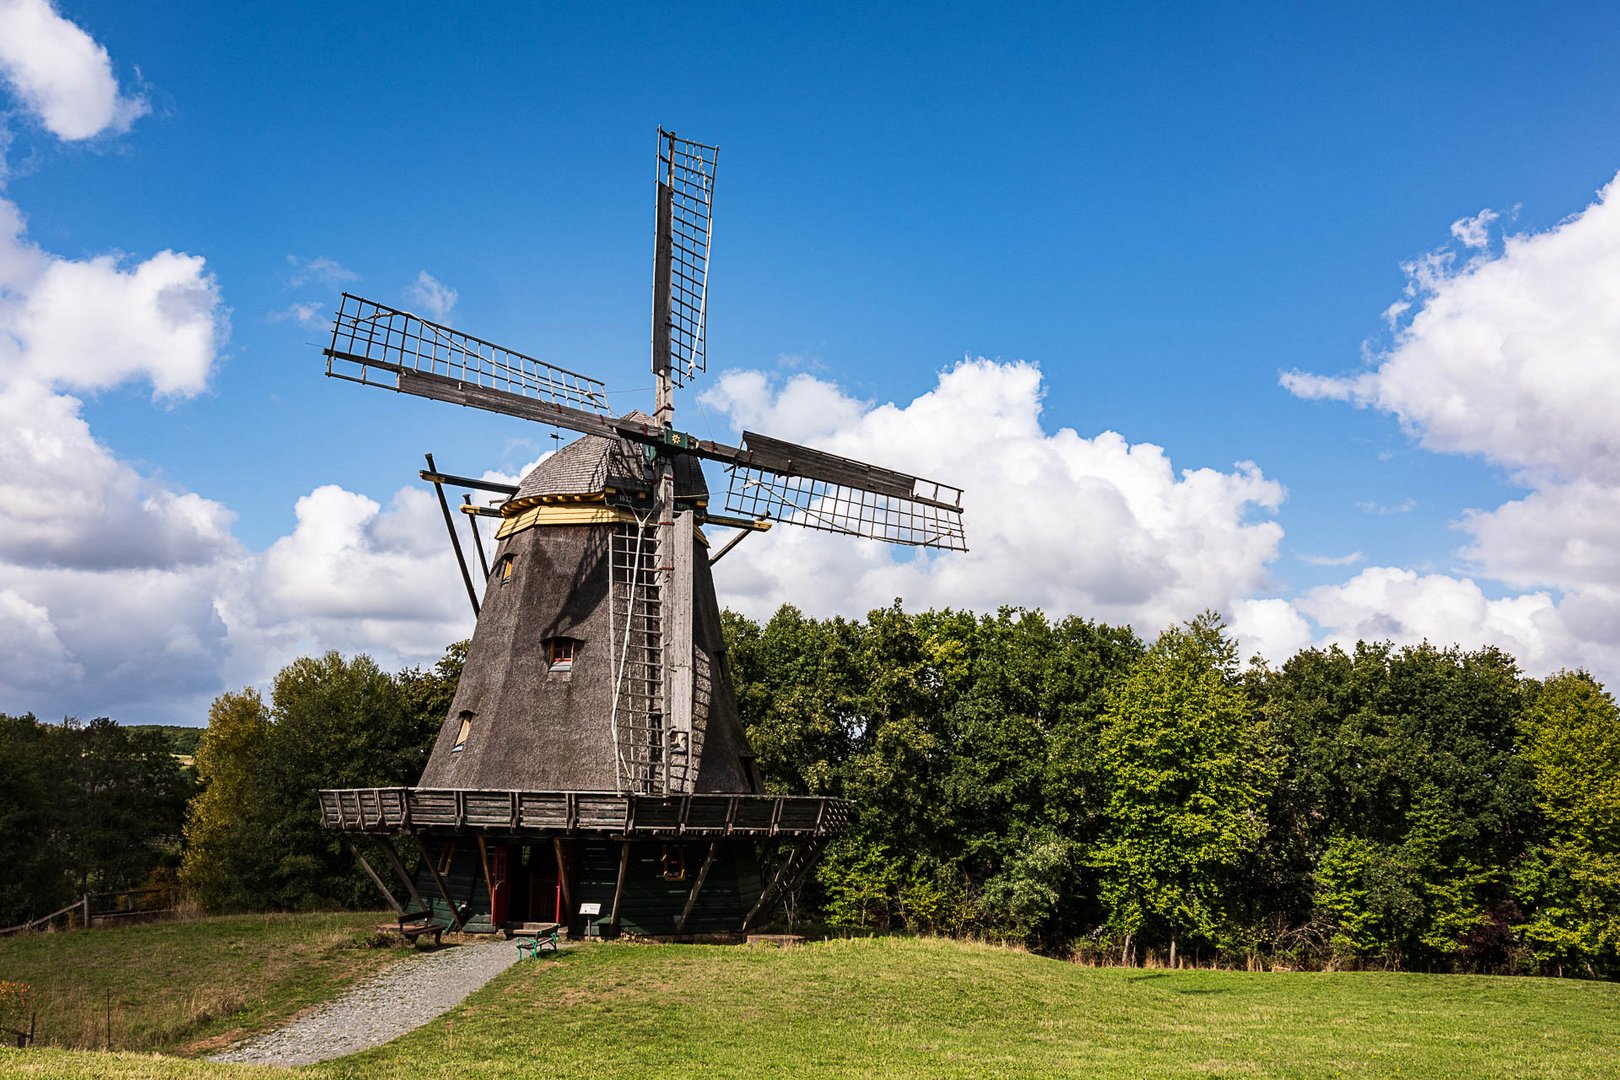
<point>592,465</point>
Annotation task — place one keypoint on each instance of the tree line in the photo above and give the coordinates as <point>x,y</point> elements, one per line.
<point>1067,786</point>
<point>1060,783</point>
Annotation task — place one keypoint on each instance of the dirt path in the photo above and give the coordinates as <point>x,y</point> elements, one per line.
<point>381,1008</point>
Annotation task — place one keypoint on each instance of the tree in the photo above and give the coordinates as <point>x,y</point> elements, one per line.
<point>1188,768</point>
<point>1569,885</point>
<point>226,854</point>
<point>36,878</point>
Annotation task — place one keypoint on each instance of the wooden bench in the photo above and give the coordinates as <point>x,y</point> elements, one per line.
<point>531,942</point>
<point>413,924</point>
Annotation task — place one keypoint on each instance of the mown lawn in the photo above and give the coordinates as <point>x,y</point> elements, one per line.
<point>183,985</point>
<point>896,1007</point>
<point>886,1007</point>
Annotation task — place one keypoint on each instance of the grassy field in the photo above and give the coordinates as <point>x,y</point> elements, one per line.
<point>179,986</point>
<point>938,1009</point>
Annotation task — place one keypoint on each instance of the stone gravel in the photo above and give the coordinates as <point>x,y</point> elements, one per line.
<point>382,1008</point>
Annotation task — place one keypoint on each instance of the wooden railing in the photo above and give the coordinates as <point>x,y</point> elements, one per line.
<point>413,809</point>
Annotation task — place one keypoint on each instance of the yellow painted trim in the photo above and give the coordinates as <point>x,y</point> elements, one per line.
<point>585,514</point>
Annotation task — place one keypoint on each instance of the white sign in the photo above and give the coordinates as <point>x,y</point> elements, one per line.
<point>590,909</point>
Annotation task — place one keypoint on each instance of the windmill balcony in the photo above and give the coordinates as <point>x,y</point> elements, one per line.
<point>580,813</point>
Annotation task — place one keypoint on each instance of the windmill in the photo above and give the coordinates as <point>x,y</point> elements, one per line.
<point>592,769</point>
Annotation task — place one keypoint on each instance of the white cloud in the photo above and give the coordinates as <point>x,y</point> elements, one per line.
<point>1512,357</point>
<point>319,270</point>
<point>305,313</point>
<point>1515,358</point>
<point>1096,526</point>
<point>1331,560</point>
<point>62,75</point>
<point>1405,506</point>
<point>1474,232</point>
<point>431,297</point>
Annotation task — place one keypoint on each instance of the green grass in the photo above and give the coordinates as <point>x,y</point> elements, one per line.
<point>180,986</point>
<point>897,1007</point>
<point>871,1008</point>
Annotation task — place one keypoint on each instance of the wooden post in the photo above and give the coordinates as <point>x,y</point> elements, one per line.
<point>398,864</point>
<point>489,885</point>
<point>438,881</point>
<point>84,905</point>
<point>562,879</point>
<point>372,874</point>
<point>691,897</point>
<point>618,889</point>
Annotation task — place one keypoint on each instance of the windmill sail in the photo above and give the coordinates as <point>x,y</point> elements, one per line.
<point>377,345</point>
<point>681,259</point>
<point>804,486</point>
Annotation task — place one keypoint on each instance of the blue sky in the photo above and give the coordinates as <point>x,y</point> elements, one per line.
<point>1163,207</point>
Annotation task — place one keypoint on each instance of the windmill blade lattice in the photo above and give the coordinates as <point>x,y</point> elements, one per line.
<point>685,227</point>
<point>368,337</point>
<point>803,486</point>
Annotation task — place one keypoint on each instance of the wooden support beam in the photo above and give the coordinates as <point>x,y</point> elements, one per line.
<point>372,874</point>
<point>697,886</point>
<point>455,538</point>
<point>618,889</point>
<point>562,879</point>
<point>767,898</point>
<point>387,845</point>
<point>438,881</point>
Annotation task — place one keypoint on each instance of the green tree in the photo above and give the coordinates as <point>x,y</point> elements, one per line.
<point>226,854</point>
<point>1188,767</point>
<point>36,876</point>
<point>1569,885</point>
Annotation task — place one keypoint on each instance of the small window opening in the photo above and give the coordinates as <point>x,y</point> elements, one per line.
<point>504,570</point>
<point>461,735</point>
<point>672,862</point>
<point>560,653</point>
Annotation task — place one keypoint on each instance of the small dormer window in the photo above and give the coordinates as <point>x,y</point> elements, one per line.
<point>503,571</point>
<point>560,653</point>
<point>461,735</point>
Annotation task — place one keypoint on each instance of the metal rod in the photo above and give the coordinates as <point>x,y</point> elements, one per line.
<point>455,540</point>
<point>478,541</point>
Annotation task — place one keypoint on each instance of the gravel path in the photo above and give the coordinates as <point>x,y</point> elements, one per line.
<point>383,1007</point>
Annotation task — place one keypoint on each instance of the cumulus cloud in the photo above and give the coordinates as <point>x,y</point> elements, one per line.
<point>1097,526</point>
<point>1513,357</point>
<point>120,593</point>
<point>61,74</point>
<point>429,296</point>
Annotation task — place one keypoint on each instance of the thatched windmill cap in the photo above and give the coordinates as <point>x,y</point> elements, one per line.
<point>593,468</point>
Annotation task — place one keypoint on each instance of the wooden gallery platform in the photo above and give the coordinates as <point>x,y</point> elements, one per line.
<point>599,864</point>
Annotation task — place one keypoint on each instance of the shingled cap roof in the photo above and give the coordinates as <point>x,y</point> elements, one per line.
<point>591,465</point>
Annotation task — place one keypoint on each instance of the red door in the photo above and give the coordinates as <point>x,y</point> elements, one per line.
<point>500,889</point>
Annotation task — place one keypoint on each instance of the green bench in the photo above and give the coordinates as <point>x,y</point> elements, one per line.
<point>530,943</point>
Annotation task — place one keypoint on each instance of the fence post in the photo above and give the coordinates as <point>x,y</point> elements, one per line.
<point>85,906</point>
